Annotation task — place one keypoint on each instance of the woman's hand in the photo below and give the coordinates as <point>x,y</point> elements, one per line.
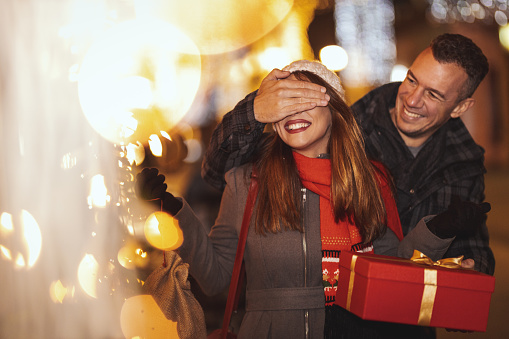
<point>150,186</point>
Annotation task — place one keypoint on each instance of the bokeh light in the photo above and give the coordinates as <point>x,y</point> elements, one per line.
<point>218,26</point>
<point>6,253</point>
<point>155,144</point>
<point>141,317</point>
<point>135,153</point>
<point>6,223</point>
<point>399,73</point>
<point>194,150</point>
<point>334,57</point>
<point>98,192</point>
<point>274,57</point>
<point>162,231</point>
<point>503,35</point>
<point>500,18</point>
<point>21,239</point>
<point>33,237</point>
<point>365,30</point>
<point>138,78</point>
<point>487,11</point>
<point>87,274</point>
<point>58,292</point>
<point>131,256</point>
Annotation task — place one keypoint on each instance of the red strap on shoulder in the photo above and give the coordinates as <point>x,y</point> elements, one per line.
<point>238,266</point>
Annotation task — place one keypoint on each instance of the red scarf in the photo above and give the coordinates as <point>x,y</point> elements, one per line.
<point>315,175</point>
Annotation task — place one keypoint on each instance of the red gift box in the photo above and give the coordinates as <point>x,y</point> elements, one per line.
<point>390,289</point>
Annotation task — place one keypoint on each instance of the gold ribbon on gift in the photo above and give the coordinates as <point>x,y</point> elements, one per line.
<point>430,281</point>
<point>350,282</point>
<point>421,258</point>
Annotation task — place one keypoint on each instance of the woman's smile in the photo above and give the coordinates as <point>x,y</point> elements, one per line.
<point>297,126</point>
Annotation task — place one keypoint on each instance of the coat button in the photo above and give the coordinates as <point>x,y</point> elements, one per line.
<point>412,191</point>
<point>247,128</point>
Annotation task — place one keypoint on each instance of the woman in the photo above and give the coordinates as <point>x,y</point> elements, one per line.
<point>318,195</point>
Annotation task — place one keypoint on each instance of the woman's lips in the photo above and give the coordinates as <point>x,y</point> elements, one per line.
<point>296,126</point>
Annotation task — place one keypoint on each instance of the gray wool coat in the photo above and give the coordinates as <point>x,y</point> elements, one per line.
<point>284,297</point>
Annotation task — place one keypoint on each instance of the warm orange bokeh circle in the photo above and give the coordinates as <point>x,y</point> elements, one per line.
<point>162,231</point>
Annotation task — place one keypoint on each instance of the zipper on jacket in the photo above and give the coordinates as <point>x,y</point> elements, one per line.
<point>304,250</point>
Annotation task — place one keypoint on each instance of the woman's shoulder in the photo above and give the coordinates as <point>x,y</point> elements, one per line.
<point>239,176</point>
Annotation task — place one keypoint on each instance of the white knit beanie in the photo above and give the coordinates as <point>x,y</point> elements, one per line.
<point>319,69</point>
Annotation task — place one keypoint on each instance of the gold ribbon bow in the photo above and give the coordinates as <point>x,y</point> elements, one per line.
<point>430,283</point>
<point>421,258</point>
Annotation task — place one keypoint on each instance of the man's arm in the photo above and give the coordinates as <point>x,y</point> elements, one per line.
<point>236,137</point>
<point>232,143</point>
<point>475,246</point>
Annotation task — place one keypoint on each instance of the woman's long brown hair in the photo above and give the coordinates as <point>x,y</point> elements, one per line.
<point>355,193</point>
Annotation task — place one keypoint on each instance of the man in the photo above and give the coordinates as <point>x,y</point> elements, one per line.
<point>412,127</point>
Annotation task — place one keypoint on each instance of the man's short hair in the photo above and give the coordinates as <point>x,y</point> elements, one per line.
<point>458,49</point>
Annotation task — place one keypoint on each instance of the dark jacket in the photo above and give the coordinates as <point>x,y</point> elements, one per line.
<point>450,163</point>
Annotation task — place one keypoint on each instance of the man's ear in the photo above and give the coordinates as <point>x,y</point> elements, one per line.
<point>462,107</point>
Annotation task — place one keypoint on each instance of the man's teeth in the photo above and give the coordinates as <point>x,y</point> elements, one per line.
<point>412,115</point>
<point>297,126</point>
